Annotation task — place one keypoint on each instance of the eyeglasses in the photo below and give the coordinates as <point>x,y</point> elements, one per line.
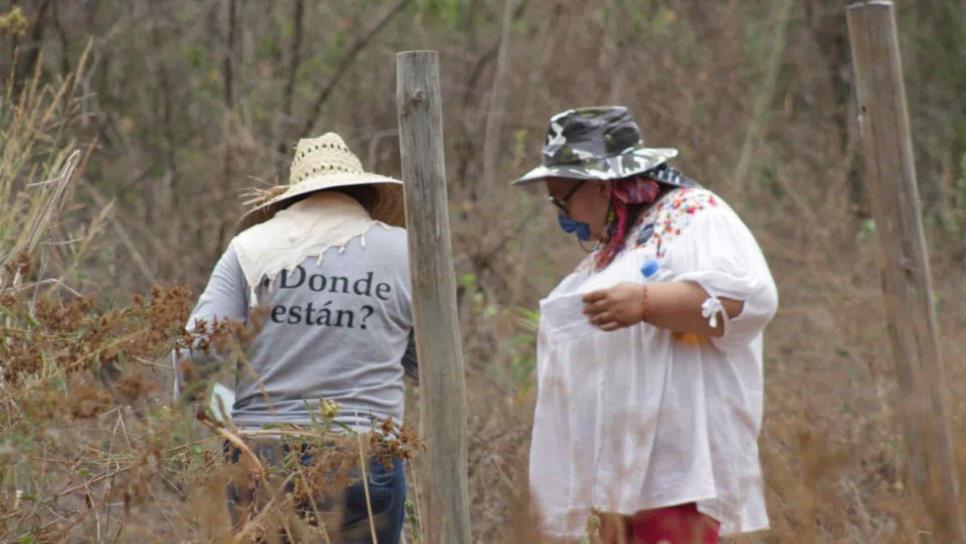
<point>562,202</point>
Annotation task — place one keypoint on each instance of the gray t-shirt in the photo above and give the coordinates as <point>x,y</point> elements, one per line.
<point>340,330</point>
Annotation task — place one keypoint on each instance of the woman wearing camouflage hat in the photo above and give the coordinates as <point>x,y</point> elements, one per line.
<point>649,370</point>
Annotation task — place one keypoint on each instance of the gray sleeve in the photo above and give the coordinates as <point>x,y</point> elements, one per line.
<point>409,361</point>
<point>225,298</point>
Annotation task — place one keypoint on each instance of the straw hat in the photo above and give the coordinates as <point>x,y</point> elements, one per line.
<point>325,163</point>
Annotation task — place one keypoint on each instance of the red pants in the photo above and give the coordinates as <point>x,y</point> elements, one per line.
<point>681,524</point>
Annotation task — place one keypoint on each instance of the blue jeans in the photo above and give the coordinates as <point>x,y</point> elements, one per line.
<point>387,496</point>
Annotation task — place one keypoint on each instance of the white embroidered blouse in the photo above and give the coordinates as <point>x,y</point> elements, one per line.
<point>641,417</point>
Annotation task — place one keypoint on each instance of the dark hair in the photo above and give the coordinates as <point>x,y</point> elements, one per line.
<point>627,204</point>
<point>363,194</point>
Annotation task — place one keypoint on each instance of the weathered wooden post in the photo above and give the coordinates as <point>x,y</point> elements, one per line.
<point>891,182</point>
<point>442,384</point>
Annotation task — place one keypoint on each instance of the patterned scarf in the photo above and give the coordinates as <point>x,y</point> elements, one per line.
<point>627,193</point>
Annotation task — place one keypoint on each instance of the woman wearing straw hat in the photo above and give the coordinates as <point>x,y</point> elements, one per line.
<point>326,257</point>
<point>649,398</point>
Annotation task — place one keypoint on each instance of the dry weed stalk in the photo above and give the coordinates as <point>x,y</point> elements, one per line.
<point>827,369</point>
<point>90,447</point>
<point>84,430</point>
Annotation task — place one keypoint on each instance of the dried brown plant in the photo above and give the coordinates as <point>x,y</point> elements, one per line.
<point>177,106</point>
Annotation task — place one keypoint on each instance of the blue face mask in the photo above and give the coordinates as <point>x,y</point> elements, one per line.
<point>570,226</point>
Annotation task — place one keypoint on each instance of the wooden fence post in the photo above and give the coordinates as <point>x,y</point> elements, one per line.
<point>441,381</point>
<point>891,182</point>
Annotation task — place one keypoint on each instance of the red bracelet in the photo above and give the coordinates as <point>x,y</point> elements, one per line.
<point>644,306</point>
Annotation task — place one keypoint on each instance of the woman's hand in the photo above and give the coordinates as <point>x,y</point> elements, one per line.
<point>675,306</point>
<point>619,306</point>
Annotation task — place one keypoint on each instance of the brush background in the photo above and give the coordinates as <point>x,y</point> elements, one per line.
<point>185,103</point>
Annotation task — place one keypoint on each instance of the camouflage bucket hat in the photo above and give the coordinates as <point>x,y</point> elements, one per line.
<point>596,143</point>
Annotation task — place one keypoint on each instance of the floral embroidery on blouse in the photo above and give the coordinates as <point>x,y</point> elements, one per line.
<point>663,222</point>
<point>688,338</point>
<point>669,217</point>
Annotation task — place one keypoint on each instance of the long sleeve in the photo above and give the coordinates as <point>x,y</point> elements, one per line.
<point>409,361</point>
<point>224,298</point>
<point>719,253</point>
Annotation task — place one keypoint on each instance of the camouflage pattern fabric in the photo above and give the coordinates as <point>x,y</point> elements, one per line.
<point>597,143</point>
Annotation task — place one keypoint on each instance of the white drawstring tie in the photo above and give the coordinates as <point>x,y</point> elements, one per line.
<point>710,309</point>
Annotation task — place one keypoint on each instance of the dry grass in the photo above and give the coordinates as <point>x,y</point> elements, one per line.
<point>92,449</point>
<point>755,94</point>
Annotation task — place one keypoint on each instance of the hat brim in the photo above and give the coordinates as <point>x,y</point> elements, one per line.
<point>634,161</point>
<point>388,206</point>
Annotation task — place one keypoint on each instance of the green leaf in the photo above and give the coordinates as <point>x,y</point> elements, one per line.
<point>868,226</point>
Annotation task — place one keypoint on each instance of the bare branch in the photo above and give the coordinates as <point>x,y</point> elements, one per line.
<point>228,74</point>
<point>347,61</point>
<point>494,116</point>
<point>295,58</point>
